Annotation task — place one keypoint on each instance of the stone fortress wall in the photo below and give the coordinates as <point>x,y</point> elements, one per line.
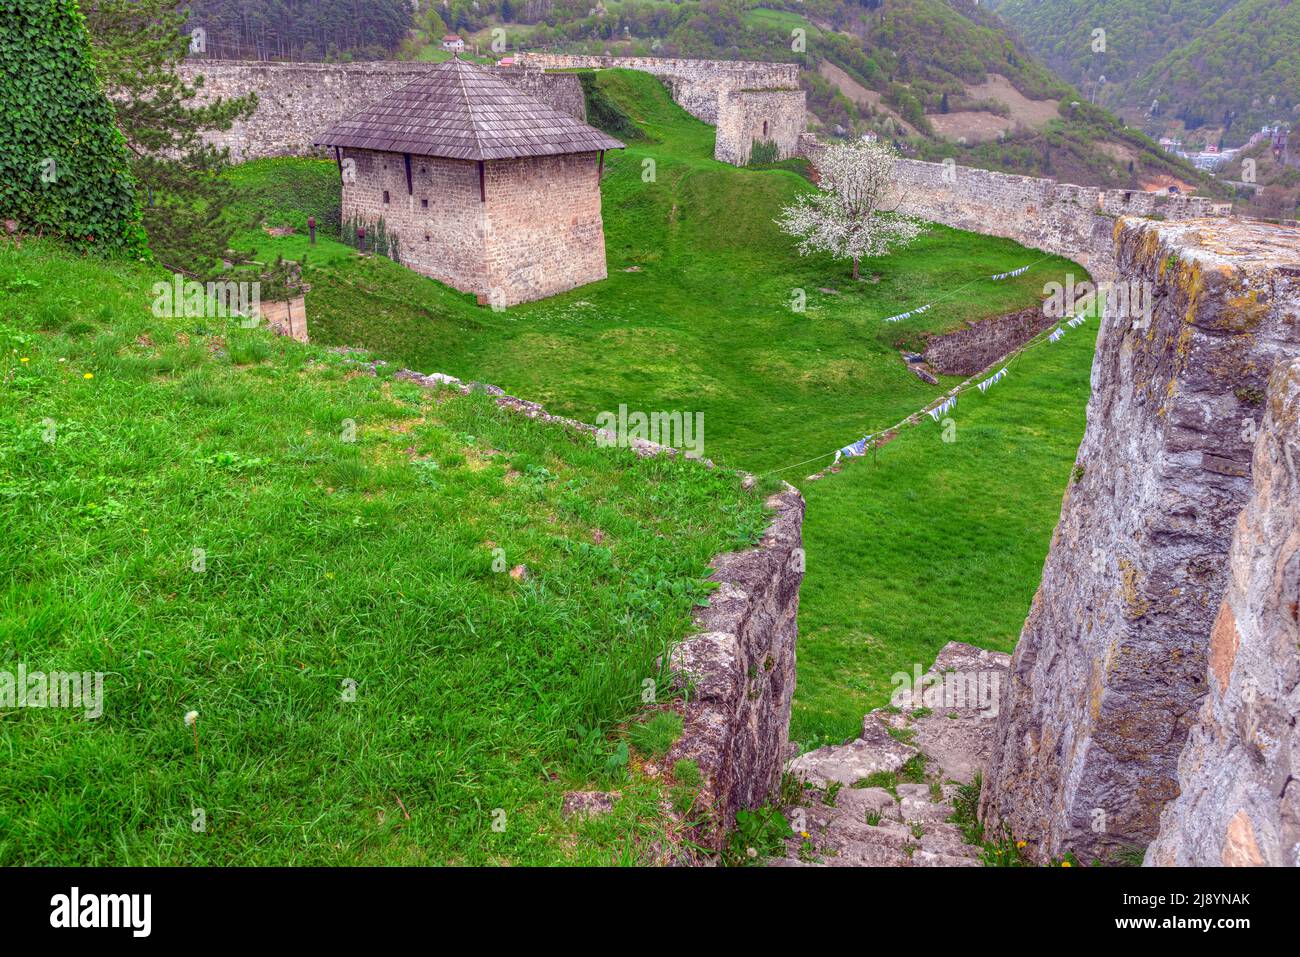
<point>1077,222</point>
<point>695,84</point>
<point>1239,798</point>
<point>745,100</point>
<point>297,101</point>
<point>1130,627</point>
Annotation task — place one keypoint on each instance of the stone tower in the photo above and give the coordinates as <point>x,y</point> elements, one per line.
<point>482,186</point>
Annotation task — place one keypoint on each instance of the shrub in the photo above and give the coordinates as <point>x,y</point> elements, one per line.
<point>762,153</point>
<point>63,162</point>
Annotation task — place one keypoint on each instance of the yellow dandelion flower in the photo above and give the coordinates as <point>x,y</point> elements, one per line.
<point>1065,863</point>
<point>1021,843</point>
<point>24,359</point>
<point>89,375</point>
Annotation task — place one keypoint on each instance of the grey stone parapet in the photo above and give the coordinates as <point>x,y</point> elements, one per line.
<point>1111,667</point>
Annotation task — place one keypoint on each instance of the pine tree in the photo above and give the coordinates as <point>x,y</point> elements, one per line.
<point>138,46</point>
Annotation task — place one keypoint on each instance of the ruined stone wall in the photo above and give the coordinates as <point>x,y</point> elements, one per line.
<point>1072,221</point>
<point>1239,793</point>
<point>739,664</point>
<point>747,116</point>
<point>297,101</point>
<point>1110,668</point>
<point>740,667</point>
<point>695,84</point>
<point>533,231</point>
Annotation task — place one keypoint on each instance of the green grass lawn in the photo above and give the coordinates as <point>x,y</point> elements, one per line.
<point>932,541</point>
<point>347,527</point>
<point>695,316</point>
<point>778,20</point>
<point>328,562</point>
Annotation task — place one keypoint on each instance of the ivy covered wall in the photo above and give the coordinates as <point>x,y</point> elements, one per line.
<point>63,165</point>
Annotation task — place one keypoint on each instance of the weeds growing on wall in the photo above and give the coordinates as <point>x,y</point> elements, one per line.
<point>372,237</point>
<point>762,153</point>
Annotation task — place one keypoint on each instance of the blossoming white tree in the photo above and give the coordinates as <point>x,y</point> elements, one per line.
<point>852,214</point>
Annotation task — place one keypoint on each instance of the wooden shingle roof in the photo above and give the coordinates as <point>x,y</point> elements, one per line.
<point>460,111</point>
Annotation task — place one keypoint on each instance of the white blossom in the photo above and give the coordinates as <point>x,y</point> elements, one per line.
<point>851,216</point>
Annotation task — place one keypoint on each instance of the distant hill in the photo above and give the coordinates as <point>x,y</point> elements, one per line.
<point>1219,69</point>
<point>944,78</point>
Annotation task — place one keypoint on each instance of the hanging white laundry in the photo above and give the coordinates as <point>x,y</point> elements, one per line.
<point>857,448</point>
<point>943,407</point>
<point>996,377</point>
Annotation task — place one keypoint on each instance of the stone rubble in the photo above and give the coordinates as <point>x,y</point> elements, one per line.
<point>849,824</point>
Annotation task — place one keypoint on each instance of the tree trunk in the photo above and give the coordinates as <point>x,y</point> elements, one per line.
<point>855,268</point>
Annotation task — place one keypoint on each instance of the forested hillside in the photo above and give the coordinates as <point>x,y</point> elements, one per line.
<point>941,78</point>
<point>301,29</point>
<point>1222,67</point>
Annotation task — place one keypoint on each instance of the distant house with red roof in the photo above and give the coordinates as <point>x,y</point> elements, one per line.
<point>453,43</point>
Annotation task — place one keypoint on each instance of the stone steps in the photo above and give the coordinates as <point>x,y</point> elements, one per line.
<point>844,822</point>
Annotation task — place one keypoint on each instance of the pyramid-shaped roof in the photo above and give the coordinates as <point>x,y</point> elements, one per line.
<point>460,111</point>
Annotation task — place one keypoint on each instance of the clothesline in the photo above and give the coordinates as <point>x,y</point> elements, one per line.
<point>948,404</point>
<point>1015,272</point>
<point>936,411</point>
<point>996,277</point>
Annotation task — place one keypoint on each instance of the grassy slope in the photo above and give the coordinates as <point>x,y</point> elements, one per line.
<point>704,326</point>
<point>936,541</point>
<point>704,323</point>
<point>325,560</point>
